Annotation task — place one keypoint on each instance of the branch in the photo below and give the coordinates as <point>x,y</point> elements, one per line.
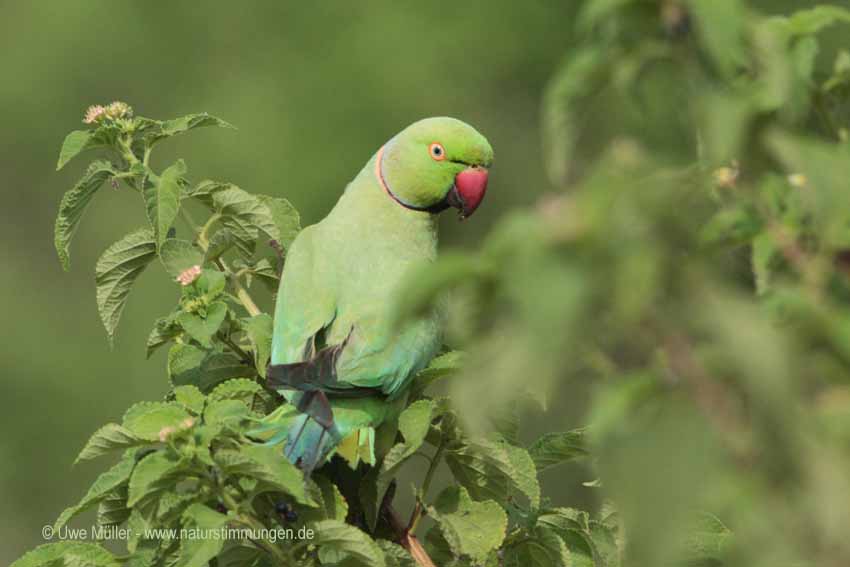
<point>711,398</point>
<point>404,536</point>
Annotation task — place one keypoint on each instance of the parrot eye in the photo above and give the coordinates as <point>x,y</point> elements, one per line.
<point>437,151</point>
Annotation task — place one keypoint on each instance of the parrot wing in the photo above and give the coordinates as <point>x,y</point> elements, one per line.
<point>306,305</point>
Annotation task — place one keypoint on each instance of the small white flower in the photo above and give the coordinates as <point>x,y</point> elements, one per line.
<point>798,180</point>
<point>727,177</point>
<point>119,109</point>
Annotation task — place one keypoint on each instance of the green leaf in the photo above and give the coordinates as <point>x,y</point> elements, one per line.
<point>74,204</point>
<point>225,412</point>
<point>150,476</point>
<point>190,397</point>
<point>172,504</point>
<point>139,521</point>
<point>495,469</point>
<point>555,448</point>
<point>266,272</point>
<point>543,549</point>
<point>198,551</point>
<point>267,465</point>
<point>240,389</point>
<point>439,551</point>
<point>764,252</point>
<point>332,505</point>
<point>165,329</point>
<point>222,241</point>
<point>440,367</point>
<point>504,420</point>
<point>287,221</point>
<point>146,419</point>
<point>242,556</point>
<point>108,438</point>
<point>162,200</point>
<point>605,547</point>
<point>472,529</point>
<point>116,272</point>
<point>77,142</point>
<point>243,215</point>
<point>595,11</point>
<point>826,166</point>
<point>202,329</point>
<point>178,255</point>
<point>572,526</point>
<point>395,555</point>
<point>102,487</point>
<point>144,554</point>
<point>259,330</point>
<point>188,364</point>
<point>720,25</point>
<point>732,226</point>
<point>583,75</point>
<point>708,539</point>
<point>211,284</point>
<point>812,21</point>
<point>343,544</point>
<point>112,510</point>
<point>68,554</point>
<point>413,423</point>
<point>190,122</point>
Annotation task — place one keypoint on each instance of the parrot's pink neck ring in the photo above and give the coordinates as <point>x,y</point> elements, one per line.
<point>379,175</point>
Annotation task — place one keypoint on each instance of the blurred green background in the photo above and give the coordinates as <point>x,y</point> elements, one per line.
<point>314,89</point>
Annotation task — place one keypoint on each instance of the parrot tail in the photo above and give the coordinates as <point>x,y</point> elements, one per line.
<point>309,442</point>
<point>313,434</point>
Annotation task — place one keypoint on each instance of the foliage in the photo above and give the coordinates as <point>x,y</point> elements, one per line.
<point>690,277</point>
<point>689,280</point>
<point>193,461</point>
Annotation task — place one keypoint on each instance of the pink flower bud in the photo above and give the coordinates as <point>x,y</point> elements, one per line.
<point>164,433</point>
<point>94,114</point>
<point>189,275</point>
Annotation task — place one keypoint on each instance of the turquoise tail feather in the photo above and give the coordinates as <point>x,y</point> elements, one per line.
<point>308,443</point>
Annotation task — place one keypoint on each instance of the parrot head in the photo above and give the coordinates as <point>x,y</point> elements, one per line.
<point>435,164</point>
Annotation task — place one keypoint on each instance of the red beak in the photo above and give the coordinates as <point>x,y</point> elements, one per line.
<point>470,186</point>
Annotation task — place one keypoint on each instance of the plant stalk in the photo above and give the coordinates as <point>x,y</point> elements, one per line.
<point>418,510</point>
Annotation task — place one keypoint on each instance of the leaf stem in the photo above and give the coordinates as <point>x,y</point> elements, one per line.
<point>201,237</point>
<point>426,484</point>
<point>241,292</point>
<point>236,348</point>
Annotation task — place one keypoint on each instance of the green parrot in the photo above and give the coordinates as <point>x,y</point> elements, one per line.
<point>337,356</point>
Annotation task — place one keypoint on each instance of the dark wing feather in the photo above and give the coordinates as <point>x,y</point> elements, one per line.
<point>316,374</point>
